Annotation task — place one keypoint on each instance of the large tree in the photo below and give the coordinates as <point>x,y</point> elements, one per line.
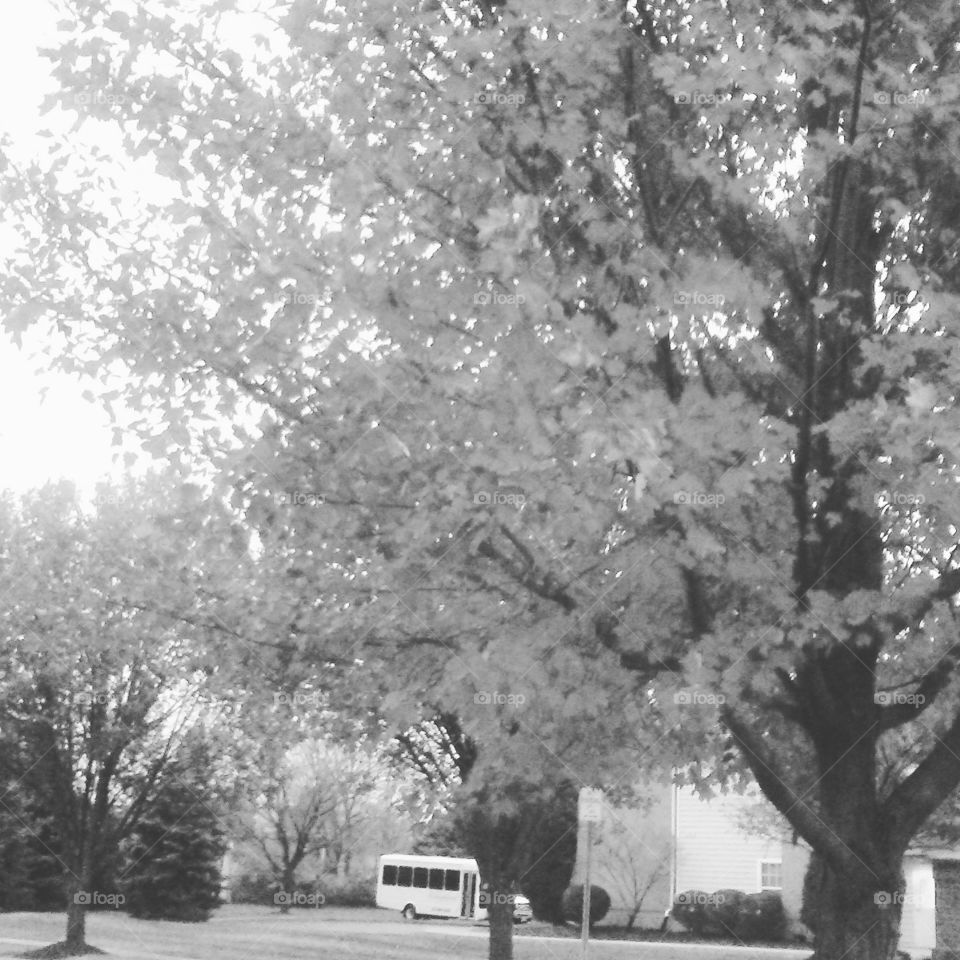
<point>612,337</point>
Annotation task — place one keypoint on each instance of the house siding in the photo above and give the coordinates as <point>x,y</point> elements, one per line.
<point>713,850</point>
<point>796,857</point>
<point>699,845</point>
<point>918,931</point>
<point>631,855</point>
<point>947,878</point>
<point>691,844</point>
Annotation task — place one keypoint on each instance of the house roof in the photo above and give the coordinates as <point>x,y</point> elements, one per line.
<point>931,852</point>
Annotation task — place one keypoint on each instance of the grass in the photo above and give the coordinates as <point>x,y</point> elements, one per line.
<point>338,933</point>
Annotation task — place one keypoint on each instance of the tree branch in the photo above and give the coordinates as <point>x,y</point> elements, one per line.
<point>930,685</point>
<point>915,609</point>
<point>917,797</point>
<point>771,780</point>
<point>637,661</point>
<point>544,585</point>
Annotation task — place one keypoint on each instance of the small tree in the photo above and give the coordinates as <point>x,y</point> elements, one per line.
<point>355,778</point>
<point>633,864</point>
<point>316,793</point>
<point>573,903</point>
<point>32,875</point>
<point>283,816</point>
<point>173,856</point>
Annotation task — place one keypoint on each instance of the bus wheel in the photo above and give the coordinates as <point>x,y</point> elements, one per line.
<point>409,912</point>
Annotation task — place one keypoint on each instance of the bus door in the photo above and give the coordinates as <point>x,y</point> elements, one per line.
<point>468,894</point>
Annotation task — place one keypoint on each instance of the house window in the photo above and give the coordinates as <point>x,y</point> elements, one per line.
<point>771,875</point>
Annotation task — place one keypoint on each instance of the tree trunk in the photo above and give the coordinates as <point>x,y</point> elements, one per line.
<point>76,917</point>
<point>500,914</point>
<point>854,888</point>
<point>854,922</point>
<point>79,892</point>
<point>80,886</point>
<point>493,840</point>
<point>289,889</point>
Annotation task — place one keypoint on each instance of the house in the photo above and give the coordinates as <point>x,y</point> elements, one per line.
<point>674,840</point>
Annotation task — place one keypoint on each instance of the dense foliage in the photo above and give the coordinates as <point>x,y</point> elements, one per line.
<point>173,855</point>
<point>261,888</point>
<point>32,877</point>
<point>748,917</point>
<point>553,854</point>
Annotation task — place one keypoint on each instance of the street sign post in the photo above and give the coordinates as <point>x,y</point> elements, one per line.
<point>590,805</point>
<point>589,812</point>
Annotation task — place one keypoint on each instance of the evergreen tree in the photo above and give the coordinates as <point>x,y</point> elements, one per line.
<point>173,857</point>
<point>30,866</point>
<point>552,845</point>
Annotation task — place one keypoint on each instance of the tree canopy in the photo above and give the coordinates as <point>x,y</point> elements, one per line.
<point>598,354</point>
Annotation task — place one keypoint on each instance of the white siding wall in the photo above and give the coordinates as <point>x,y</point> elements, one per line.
<point>713,850</point>
<point>631,857</point>
<point>917,925</point>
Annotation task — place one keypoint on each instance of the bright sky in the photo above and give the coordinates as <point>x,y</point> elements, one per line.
<point>47,428</point>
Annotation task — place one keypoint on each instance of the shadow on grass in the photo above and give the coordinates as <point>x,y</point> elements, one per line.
<point>61,949</point>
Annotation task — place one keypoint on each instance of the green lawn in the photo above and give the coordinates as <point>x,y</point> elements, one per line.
<point>331,933</point>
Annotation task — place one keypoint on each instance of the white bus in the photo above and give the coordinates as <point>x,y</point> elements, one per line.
<point>437,887</point>
<point>429,886</point>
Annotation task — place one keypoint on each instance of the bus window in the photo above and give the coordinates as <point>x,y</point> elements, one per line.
<point>389,875</point>
<point>451,880</point>
<point>420,876</point>
<point>405,876</point>
<point>436,879</point>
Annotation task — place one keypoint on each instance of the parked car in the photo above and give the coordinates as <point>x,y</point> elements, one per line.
<point>522,911</point>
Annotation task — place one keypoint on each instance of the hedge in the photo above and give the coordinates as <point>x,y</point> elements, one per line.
<point>749,917</point>
<point>261,888</point>
<point>573,903</point>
